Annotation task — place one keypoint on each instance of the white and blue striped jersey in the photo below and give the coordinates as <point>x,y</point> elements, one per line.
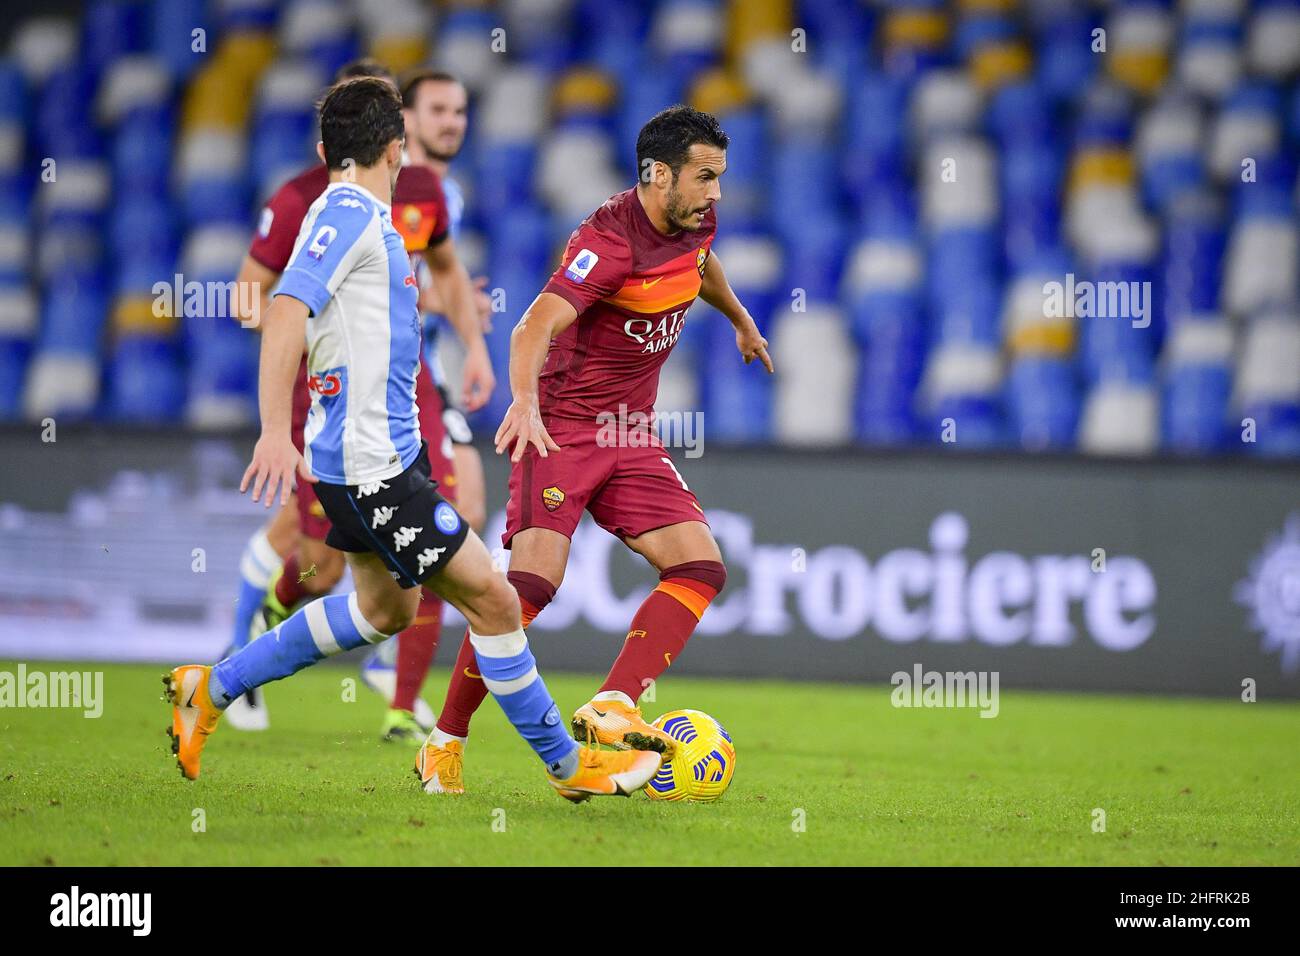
<point>432,322</point>
<point>350,269</point>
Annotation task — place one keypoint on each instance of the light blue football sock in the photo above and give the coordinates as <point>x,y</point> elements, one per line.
<point>256,566</point>
<point>317,630</point>
<point>510,674</point>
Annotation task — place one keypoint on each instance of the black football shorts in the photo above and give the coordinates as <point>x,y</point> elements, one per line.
<point>454,421</point>
<point>412,528</point>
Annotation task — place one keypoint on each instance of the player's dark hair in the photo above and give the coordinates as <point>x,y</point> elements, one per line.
<point>670,134</point>
<point>358,119</point>
<point>411,81</point>
<point>366,66</point>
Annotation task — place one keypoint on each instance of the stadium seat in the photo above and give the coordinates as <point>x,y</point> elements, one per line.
<point>818,363</point>
<point>1042,403</point>
<point>1273,43</point>
<point>61,384</point>
<point>145,381</point>
<point>1197,385</point>
<point>1120,418</point>
<point>1268,383</point>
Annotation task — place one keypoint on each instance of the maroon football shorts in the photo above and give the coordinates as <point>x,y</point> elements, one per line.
<point>312,522</point>
<point>628,488</point>
<point>433,430</point>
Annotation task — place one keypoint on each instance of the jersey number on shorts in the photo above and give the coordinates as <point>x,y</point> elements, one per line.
<point>669,463</point>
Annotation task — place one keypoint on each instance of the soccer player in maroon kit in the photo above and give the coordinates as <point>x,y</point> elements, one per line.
<point>591,345</point>
<point>312,568</point>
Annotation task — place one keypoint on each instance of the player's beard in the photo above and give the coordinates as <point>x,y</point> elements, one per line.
<point>681,214</point>
<point>434,154</point>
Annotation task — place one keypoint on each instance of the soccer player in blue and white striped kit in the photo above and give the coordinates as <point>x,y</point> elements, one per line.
<point>349,292</point>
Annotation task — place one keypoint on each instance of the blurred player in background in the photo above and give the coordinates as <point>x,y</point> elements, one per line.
<point>349,296</point>
<point>436,107</point>
<point>593,343</point>
<point>310,567</point>
<point>436,111</point>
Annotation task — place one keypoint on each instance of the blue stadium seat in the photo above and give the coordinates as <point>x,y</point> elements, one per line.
<point>1193,257</point>
<point>73,317</point>
<point>172,34</point>
<point>145,381</point>
<point>14,95</point>
<point>61,124</point>
<point>111,29</point>
<point>737,398</point>
<point>1064,58</point>
<point>1042,401</point>
<point>1277,429</point>
<point>140,140</point>
<point>14,356</point>
<point>1195,406</point>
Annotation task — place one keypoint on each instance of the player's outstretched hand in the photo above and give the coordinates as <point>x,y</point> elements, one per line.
<point>477,377</point>
<point>275,461</point>
<point>523,425</point>
<point>752,346</point>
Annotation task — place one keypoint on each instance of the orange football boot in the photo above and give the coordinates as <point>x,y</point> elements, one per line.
<point>615,724</point>
<point>439,768</point>
<point>607,773</point>
<point>194,716</point>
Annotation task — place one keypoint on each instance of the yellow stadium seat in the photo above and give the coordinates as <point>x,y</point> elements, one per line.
<point>718,91</point>
<point>752,21</point>
<point>1101,167</point>
<point>925,29</point>
<point>1053,337</point>
<point>221,93</point>
<point>997,64</point>
<point>398,53</point>
<point>986,6</point>
<point>1143,71</point>
<point>584,90</point>
<point>135,315</point>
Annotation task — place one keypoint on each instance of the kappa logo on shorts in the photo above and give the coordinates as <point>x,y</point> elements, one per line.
<point>404,536</point>
<point>382,514</point>
<point>371,488</point>
<point>632,634</point>
<point>427,559</point>
<point>552,497</point>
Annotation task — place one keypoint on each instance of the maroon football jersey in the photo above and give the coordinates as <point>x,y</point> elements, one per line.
<point>419,213</point>
<point>631,285</point>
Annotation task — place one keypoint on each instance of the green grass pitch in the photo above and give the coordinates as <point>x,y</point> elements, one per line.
<point>826,774</point>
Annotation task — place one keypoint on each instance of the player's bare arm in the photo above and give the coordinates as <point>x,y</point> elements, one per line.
<point>547,317</point>
<point>717,292</point>
<point>275,459</point>
<point>455,290</point>
<point>431,302</point>
<point>257,278</point>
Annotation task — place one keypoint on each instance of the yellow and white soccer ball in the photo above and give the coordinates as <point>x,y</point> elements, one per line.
<point>702,768</point>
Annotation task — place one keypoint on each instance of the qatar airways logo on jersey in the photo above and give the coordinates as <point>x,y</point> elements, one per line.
<point>656,336</point>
